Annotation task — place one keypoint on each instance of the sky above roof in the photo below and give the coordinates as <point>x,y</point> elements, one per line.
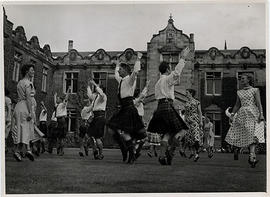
<point>117,26</point>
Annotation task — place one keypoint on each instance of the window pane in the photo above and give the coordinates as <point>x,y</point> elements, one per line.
<point>217,75</point>
<point>68,83</point>
<point>75,75</point>
<point>218,86</point>
<point>209,89</point>
<point>75,85</point>
<point>68,75</point>
<point>175,58</point>
<point>209,75</point>
<point>217,116</point>
<point>166,58</point>
<point>96,75</point>
<point>103,75</point>
<point>217,128</point>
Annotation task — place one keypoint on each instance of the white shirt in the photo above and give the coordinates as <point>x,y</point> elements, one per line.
<point>53,117</point>
<point>128,83</point>
<point>99,99</point>
<point>61,109</point>
<point>43,115</point>
<point>164,87</point>
<point>138,102</point>
<point>86,112</point>
<point>139,107</point>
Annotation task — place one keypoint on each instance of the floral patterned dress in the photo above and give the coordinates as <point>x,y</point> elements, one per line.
<point>192,118</point>
<point>242,131</point>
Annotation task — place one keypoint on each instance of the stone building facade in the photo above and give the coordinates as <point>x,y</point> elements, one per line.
<point>212,73</point>
<point>18,51</point>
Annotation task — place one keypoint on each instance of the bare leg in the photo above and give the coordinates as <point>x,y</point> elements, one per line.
<point>100,148</point>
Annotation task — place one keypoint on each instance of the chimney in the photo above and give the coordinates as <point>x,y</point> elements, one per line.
<point>70,45</point>
<point>191,37</point>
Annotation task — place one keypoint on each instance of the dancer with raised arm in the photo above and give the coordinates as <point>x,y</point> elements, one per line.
<point>166,119</point>
<point>96,127</point>
<point>126,123</point>
<point>87,117</point>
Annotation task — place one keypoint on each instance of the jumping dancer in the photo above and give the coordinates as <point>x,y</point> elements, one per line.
<point>166,119</point>
<point>127,122</point>
<point>96,128</point>
<point>61,115</point>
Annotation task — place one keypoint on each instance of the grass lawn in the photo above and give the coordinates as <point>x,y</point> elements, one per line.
<point>71,173</point>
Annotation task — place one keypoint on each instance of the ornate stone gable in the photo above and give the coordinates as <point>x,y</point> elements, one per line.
<point>100,56</point>
<point>19,34</point>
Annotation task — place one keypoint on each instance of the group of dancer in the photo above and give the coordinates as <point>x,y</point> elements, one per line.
<point>167,127</point>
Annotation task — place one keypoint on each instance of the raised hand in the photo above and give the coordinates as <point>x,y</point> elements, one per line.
<point>139,55</point>
<point>185,52</point>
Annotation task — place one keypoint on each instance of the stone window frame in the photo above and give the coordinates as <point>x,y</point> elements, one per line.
<point>45,70</point>
<point>98,82</point>
<point>71,114</point>
<point>213,91</point>
<point>16,66</point>
<point>72,83</point>
<point>212,115</point>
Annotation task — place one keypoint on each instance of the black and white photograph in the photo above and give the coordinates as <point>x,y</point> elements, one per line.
<point>132,97</point>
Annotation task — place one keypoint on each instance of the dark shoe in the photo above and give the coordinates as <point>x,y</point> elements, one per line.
<point>86,151</point>
<point>190,156</point>
<point>210,155</point>
<point>81,154</point>
<point>182,153</point>
<point>196,158</point>
<point>36,153</point>
<point>253,163</point>
<point>131,156</point>
<point>162,160</point>
<point>100,157</point>
<point>50,150</point>
<point>43,148</point>
<point>149,154</point>
<point>22,154</point>
<point>17,156</point>
<point>61,152</point>
<point>29,155</point>
<point>137,155</point>
<point>235,154</point>
<point>169,157</point>
<point>95,154</point>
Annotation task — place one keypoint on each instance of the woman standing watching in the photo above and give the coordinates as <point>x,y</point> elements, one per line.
<point>249,111</point>
<point>24,114</point>
<point>193,118</point>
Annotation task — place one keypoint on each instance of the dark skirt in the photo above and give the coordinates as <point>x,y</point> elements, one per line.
<point>96,128</point>
<point>43,128</point>
<point>128,120</point>
<point>166,119</point>
<point>61,127</point>
<point>52,130</point>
